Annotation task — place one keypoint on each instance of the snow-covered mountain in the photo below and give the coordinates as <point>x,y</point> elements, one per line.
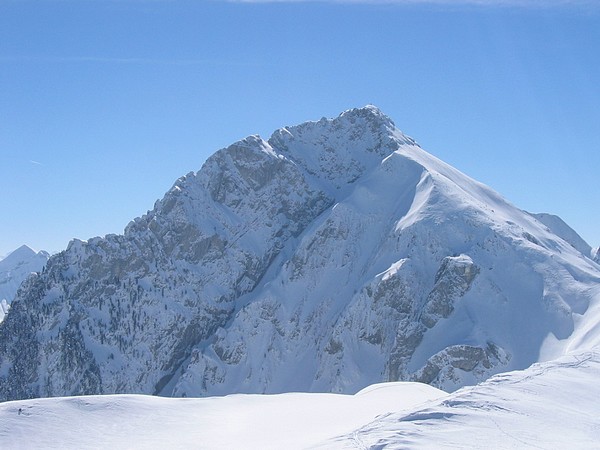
<point>558,226</point>
<point>4,307</point>
<point>14,268</point>
<point>335,255</point>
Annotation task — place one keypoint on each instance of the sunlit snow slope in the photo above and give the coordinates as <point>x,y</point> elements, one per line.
<point>551,405</point>
<point>285,421</point>
<point>334,255</point>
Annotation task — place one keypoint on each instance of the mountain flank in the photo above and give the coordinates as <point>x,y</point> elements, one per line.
<point>334,255</point>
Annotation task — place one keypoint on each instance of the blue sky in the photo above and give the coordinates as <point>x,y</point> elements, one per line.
<point>104,103</point>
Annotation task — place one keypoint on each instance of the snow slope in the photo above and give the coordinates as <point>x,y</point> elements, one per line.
<point>549,405</point>
<point>335,255</point>
<point>290,421</point>
<point>560,228</point>
<point>14,269</point>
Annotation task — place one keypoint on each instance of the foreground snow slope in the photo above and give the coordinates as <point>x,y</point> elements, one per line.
<point>550,405</point>
<point>234,422</point>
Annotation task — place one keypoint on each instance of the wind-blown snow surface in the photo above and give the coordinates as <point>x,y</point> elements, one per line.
<point>14,269</point>
<point>549,406</point>
<point>284,421</point>
<point>335,255</point>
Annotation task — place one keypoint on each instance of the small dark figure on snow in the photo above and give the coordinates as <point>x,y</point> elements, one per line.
<point>20,411</point>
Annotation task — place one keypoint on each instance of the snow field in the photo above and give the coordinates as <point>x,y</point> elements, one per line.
<point>293,420</point>
<point>552,405</point>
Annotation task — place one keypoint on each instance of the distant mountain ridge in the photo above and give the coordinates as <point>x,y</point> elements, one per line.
<point>14,269</point>
<point>335,255</point>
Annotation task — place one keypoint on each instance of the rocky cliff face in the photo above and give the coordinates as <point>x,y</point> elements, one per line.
<point>334,255</point>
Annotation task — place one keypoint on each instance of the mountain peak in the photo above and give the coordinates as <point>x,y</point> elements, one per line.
<point>15,268</point>
<point>334,255</point>
<point>370,113</point>
<point>338,151</point>
<point>22,256</point>
<point>23,251</point>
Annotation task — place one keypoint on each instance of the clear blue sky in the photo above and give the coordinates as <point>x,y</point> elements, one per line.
<point>103,104</point>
